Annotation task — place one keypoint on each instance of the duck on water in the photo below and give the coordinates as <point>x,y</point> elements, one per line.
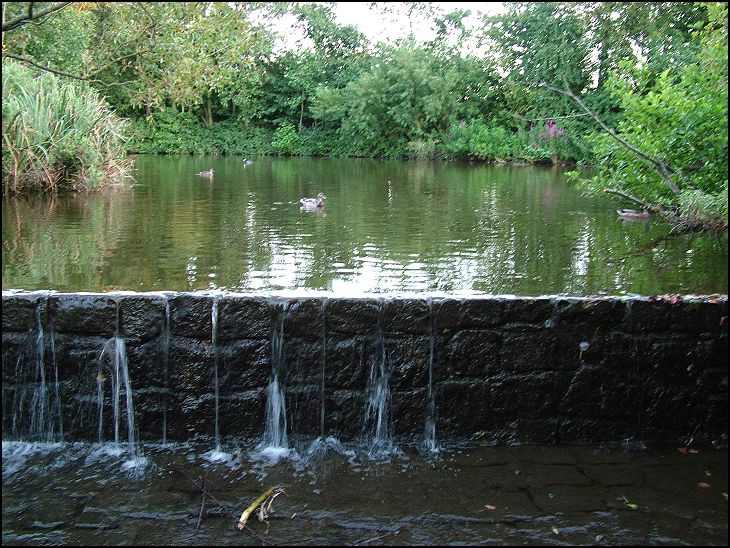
<point>313,203</point>
<point>633,213</point>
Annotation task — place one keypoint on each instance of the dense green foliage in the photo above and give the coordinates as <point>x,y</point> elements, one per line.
<point>56,134</point>
<point>681,118</point>
<point>204,77</point>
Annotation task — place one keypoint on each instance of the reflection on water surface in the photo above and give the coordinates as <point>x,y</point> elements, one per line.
<point>386,227</point>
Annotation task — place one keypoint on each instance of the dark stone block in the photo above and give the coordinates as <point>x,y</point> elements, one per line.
<point>588,315</point>
<point>408,412</point>
<point>539,431</point>
<point>603,392</point>
<point>242,415</point>
<point>19,312</point>
<point>84,314</point>
<point>142,317</point>
<point>713,383</point>
<point>608,349</point>
<point>529,396</point>
<point>79,357</point>
<point>463,410</point>
<point>672,406</point>
<point>244,365</point>
<point>304,361</point>
<point>246,318</point>
<point>9,405</point>
<point>191,416</point>
<point>532,311</point>
<point>716,418</point>
<point>467,313</point>
<point>527,351</point>
<point>359,316</point>
<point>192,316</point>
<point>146,364</point>
<point>148,413</point>
<point>695,317</point>
<point>191,368</point>
<point>406,316</point>
<point>348,362</point>
<point>81,414</point>
<point>304,409</point>
<point>470,353</point>
<point>304,319</point>
<point>344,414</point>
<point>648,316</point>
<point>712,353</point>
<point>592,430</point>
<point>408,360</point>
<point>19,348</point>
<point>665,361</point>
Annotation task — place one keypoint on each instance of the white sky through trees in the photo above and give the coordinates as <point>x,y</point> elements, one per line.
<point>386,27</point>
<point>388,21</point>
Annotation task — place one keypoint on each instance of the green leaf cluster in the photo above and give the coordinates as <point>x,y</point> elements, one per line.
<point>57,135</point>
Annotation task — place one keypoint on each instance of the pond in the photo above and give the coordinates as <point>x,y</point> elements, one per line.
<point>387,227</point>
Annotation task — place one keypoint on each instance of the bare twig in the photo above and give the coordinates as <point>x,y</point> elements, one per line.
<point>361,542</point>
<point>646,205</point>
<point>202,501</point>
<point>219,503</point>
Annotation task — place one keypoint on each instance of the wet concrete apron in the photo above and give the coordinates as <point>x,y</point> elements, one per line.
<point>80,494</point>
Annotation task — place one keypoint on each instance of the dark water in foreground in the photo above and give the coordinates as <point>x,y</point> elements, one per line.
<point>387,227</point>
<point>81,494</point>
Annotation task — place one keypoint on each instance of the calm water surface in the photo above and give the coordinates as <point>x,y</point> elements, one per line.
<point>387,227</point>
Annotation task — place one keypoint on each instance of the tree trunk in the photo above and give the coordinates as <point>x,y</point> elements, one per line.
<point>208,113</point>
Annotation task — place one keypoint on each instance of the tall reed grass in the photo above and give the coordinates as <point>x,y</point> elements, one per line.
<point>57,135</point>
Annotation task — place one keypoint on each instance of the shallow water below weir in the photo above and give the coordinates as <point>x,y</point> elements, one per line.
<point>92,494</point>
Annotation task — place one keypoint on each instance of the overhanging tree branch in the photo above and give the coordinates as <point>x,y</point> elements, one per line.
<point>30,17</point>
<point>38,65</point>
<point>659,165</point>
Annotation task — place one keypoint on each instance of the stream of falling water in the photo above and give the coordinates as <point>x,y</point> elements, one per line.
<point>118,374</point>
<point>429,437</point>
<point>275,443</point>
<point>377,414</point>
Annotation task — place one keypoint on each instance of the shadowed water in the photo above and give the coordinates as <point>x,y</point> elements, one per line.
<point>386,227</point>
<point>86,495</point>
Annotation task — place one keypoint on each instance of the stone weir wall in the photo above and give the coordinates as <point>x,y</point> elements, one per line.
<point>502,370</point>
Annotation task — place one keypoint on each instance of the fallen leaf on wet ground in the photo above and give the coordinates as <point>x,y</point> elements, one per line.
<point>626,501</point>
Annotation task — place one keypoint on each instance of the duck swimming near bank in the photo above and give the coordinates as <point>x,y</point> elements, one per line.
<point>633,213</point>
<point>208,174</point>
<point>247,162</point>
<point>313,203</point>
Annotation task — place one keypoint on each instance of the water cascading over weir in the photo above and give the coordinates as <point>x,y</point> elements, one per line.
<point>231,368</point>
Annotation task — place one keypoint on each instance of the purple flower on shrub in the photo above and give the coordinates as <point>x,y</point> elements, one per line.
<point>552,130</point>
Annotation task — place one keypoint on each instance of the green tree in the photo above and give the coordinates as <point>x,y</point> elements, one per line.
<point>670,151</point>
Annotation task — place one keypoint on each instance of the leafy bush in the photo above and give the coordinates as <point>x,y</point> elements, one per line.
<point>57,135</point>
<point>285,140</point>
<point>172,132</point>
